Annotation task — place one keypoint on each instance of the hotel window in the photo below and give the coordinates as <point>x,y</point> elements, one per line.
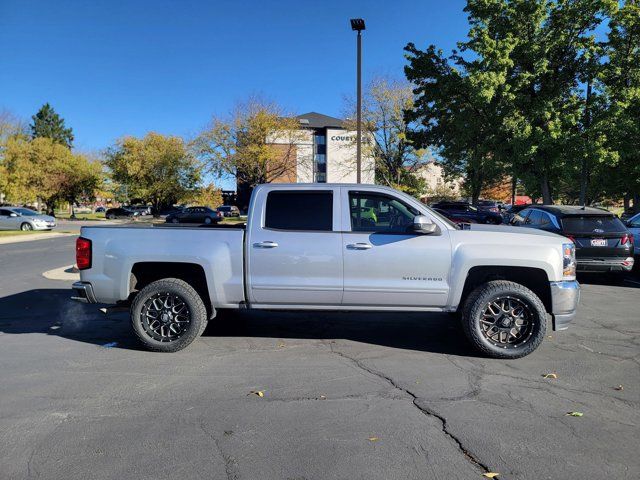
<point>320,157</point>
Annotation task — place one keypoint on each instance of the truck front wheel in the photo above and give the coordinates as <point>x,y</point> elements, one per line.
<point>168,314</point>
<point>504,319</point>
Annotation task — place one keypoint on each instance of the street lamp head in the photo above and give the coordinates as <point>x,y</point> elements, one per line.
<point>357,24</point>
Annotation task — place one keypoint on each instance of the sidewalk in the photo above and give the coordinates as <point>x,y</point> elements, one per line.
<point>33,237</point>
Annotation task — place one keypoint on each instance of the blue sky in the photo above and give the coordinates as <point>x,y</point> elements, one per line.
<point>114,68</point>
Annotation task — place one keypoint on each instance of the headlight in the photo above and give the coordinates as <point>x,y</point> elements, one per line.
<point>569,261</point>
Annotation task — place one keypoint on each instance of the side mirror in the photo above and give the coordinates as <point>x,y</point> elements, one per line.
<point>423,224</point>
<point>12,214</point>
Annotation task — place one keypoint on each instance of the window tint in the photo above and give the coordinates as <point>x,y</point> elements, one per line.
<point>635,222</point>
<point>518,218</point>
<point>5,213</point>
<point>545,220</point>
<point>371,212</point>
<point>593,224</point>
<point>534,218</point>
<point>300,211</point>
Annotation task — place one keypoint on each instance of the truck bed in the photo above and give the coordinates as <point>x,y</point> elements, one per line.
<point>117,248</point>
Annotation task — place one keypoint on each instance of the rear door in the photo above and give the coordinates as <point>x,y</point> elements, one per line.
<point>294,247</point>
<point>386,264</point>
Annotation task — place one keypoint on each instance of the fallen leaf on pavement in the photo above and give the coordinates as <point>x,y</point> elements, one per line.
<point>373,439</point>
<point>259,393</point>
<point>575,414</point>
<point>490,474</point>
<point>619,388</point>
<point>281,345</point>
<point>550,375</point>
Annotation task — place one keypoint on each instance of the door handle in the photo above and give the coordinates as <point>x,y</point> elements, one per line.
<point>267,244</point>
<point>359,246</point>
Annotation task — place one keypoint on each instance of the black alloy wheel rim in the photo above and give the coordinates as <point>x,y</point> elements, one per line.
<point>507,322</point>
<point>165,317</point>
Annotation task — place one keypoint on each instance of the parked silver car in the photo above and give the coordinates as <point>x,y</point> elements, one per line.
<point>19,218</point>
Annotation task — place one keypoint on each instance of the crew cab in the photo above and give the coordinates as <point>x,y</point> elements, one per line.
<point>333,247</point>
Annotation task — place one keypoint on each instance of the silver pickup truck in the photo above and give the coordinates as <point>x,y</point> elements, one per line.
<point>333,247</point>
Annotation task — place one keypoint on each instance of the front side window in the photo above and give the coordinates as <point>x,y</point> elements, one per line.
<point>534,218</point>
<point>287,210</point>
<point>519,218</point>
<point>26,212</point>
<point>373,212</point>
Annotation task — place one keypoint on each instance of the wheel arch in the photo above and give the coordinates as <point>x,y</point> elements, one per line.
<point>144,273</point>
<point>535,279</point>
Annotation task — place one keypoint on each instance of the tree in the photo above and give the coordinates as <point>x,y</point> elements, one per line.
<point>43,170</point>
<point>207,195</point>
<point>47,123</point>
<point>456,112</point>
<point>512,103</point>
<point>396,158</point>
<point>10,128</point>
<point>621,122</point>
<point>157,168</point>
<point>255,144</point>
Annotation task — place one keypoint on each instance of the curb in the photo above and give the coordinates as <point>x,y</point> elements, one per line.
<point>68,273</point>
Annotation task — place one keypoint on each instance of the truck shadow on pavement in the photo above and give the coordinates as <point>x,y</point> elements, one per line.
<point>52,312</point>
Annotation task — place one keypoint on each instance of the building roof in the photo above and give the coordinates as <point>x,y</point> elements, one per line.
<point>318,120</point>
<point>568,210</point>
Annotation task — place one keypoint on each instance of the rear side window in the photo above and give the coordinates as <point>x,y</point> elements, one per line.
<point>593,224</point>
<point>300,211</point>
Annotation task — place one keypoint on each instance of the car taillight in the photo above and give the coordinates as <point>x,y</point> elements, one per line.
<point>626,238</point>
<point>83,253</point>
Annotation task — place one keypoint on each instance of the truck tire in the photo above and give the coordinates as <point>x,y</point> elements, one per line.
<point>167,315</point>
<point>504,319</point>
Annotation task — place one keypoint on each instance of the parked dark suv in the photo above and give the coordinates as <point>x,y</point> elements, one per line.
<point>466,210</point>
<point>603,243</point>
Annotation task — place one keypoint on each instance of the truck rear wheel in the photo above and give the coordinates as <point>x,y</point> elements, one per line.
<point>168,314</point>
<point>504,319</point>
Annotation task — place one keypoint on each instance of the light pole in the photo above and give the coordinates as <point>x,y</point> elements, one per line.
<point>357,24</point>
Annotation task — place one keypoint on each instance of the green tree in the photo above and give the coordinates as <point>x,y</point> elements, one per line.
<point>47,123</point>
<point>157,168</point>
<point>457,112</point>
<point>512,102</point>
<point>621,122</point>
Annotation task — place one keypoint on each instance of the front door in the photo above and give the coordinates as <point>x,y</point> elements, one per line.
<point>7,221</point>
<point>294,248</point>
<point>385,263</point>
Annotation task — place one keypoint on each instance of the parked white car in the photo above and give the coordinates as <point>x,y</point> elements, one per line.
<point>19,218</point>
<point>334,247</point>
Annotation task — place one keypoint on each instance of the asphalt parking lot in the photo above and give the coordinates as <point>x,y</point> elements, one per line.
<point>344,396</point>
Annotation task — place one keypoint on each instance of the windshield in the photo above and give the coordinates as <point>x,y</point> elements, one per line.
<point>592,224</point>
<point>25,212</point>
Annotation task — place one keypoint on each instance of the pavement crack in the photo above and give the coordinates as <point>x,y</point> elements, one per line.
<point>230,463</point>
<point>416,401</point>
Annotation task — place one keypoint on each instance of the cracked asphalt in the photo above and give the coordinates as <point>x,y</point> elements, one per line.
<point>346,395</point>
